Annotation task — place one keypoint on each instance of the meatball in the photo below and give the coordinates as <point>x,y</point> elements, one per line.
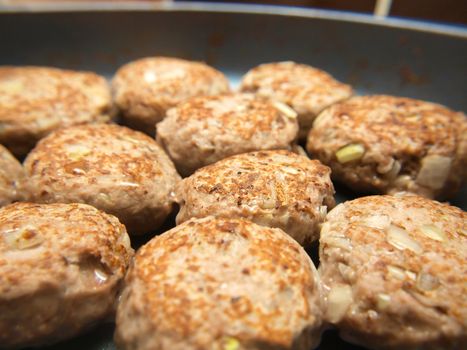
<point>36,100</point>
<point>204,130</point>
<point>385,144</point>
<point>220,284</point>
<point>272,188</point>
<point>115,169</point>
<point>61,266</point>
<point>393,271</point>
<point>146,88</point>
<point>305,89</point>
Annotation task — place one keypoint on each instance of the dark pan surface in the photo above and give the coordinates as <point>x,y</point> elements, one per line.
<point>395,57</point>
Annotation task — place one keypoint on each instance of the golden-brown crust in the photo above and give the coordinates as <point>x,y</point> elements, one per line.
<point>392,129</point>
<point>146,88</point>
<point>118,170</point>
<point>404,259</point>
<point>204,282</point>
<point>304,88</point>
<point>274,188</point>
<point>232,111</point>
<point>60,270</point>
<point>203,130</point>
<point>36,100</point>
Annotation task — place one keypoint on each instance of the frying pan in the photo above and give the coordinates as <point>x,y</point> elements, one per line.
<point>390,56</point>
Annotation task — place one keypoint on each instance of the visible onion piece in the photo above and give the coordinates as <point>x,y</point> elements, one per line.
<point>412,275</point>
<point>378,221</point>
<point>399,238</point>
<point>402,181</point>
<point>290,170</point>
<point>384,168</point>
<point>320,118</point>
<point>337,242</point>
<point>434,171</point>
<point>427,282</point>
<point>383,301</point>
<point>349,153</point>
<point>339,299</point>
<point>347,273</point>
<point>433,232</point>
<point>231,343</point>
<point>47,123</point>
<point>77,152</point>
<point>267,203</point>
<point>323,210</point>
<point>23,238</point>
<point>413,118</point>
<point>401,274</point>
<point>129,139</point>
<point>128,184</point>
<point>100,276</point>
<point>285,110</point>
<point>396,272</point>
<point>396,168</point>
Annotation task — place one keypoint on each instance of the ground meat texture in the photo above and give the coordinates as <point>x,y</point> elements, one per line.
<point>204,130</point>
<point>220,284</point>
<point>385,144</point>
<point>305,89</point>
<point>393,272</point>
<point>272,188</point>
<point>118,170</point>
<point>61,266</point>
<point>36,100</point>
<point>146,88</point>
<point>11,175</point>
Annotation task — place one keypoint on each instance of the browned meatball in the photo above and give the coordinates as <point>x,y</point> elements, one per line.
<point>36,100</point>
<point>60,270</point>
<point>386,144</point>
<point>204,130</point>
<point>393,271</point>
<point>305,89</point>
<point>146,88</point>
<point>220,284</point>
<point>118,170</point>
<point>272,188</point>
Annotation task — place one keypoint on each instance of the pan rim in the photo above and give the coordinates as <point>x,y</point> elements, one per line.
<point>226,8</point>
